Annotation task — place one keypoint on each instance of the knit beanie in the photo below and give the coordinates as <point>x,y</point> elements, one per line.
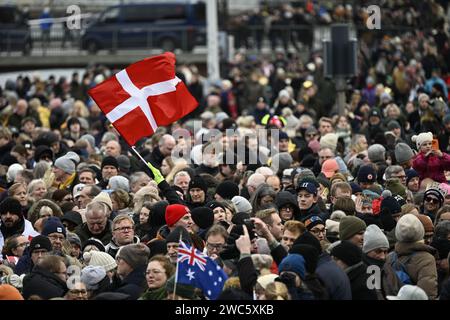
<point>293,262</point>
<point>53,225</point>
<point>157,214</point>
<point>376,153</point>
<point>367,174</point>
<point>421,138</point>
<point>119,182</point>
<point>242,204</point>
<point>100,259</point>
<point>104,198</point>
<point>313,221</point>
<point>374,238</point>
<point>198,182</point>
<point>391,206</point>
<point>136,255</point>
<point>124,162</point>
<point>348,252</point>
<point>110,161</point>
<point>403,152</point>
<point>329,141</point>
<point>73,238</point>
<point>89,138</point>
<point>409,229</point>
<point>426,222</point>
<point>96,243</point>
<point>203,217</point>
<point>73,156</point>
<point>396,187</point>
<point>73,217</point>
<point>436,193</point>
<point>410,173</point>
<point>40,242</point>
<point>227,190</point>
<point>65,164</point>
<point>310,239</point>
<point>349,226</point>
<point>8,292</point>
<point>12,206</point>
<point>309,253</point>
<point>175,212</point>
<point>91,276</point>
<point>174,236</point>
<point>281,161</point>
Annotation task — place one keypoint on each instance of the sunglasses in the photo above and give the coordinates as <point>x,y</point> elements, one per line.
<point>432,200</point>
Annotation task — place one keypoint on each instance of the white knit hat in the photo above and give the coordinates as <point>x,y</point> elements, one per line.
<point>104,198</point>
<point>374,238</point>
<point>422,138</point>
<point>329,141</point>
<point>409,229</point>
<point>101,259</point>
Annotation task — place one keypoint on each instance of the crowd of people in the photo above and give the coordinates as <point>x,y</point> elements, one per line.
<point>292,200</point>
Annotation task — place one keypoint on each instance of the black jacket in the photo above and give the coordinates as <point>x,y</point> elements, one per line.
<point>358,280</point>
<point>83,232</point>
<point>313,211</point>
<point>284,198</point>
<point>134,284</point>
<point>43,283</point>
<point>247,274</point>
<point>155,158</point>
<point>334,278</point>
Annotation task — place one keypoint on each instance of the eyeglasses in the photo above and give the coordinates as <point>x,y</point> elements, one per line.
<point>217,246</point>
<point>432,200</point>
<point>23,245</point>
<point>123,229</point>
<point>318,231</point>
<point>288,209</point>
<point>78,292</point>
<point>55,237</point>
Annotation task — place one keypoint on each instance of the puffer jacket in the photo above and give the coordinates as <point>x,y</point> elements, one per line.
<point>432,166</point>
<point>420,265</point>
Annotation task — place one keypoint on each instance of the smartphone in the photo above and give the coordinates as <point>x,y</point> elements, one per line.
<point>435,144</point>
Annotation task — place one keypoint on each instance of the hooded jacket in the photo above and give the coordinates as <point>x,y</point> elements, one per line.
<point>284,198</point>
<point>43,283</point>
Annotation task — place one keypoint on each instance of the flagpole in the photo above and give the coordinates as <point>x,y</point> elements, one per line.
<point>137,154</point>
<point>176,270</point>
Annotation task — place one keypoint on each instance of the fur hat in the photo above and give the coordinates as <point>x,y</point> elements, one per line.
<point>409,229</point>
<point>422,138</point>
<point>136,255</point>
<point>100,259</point>
<point>403,152</point>
<point>374,238</point>
<point>65,164</point>
<point>349,226</point>
<point>110,161</point>
<point>376,152</point>
<point>175,212</point>
<point>227,189</point>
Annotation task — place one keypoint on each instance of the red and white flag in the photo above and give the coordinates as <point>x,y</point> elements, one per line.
<point>143,96</point>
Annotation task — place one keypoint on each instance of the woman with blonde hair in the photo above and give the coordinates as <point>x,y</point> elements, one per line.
<point>37,189</point>
<point>167,165</point>
<point>277,291</point>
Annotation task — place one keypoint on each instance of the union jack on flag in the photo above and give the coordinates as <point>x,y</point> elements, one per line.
<point>198,270</point>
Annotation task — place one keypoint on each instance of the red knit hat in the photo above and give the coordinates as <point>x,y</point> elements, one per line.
<point>175,212</point>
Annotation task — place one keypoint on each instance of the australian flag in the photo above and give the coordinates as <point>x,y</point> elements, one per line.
<point>198,270</point>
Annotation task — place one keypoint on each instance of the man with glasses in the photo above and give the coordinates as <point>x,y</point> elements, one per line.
<point>316,226</point>
<point>56,232</point>
<point>77,292</point>
<point>395,172</point>
<point>96,225</point>
<point>14,249</point>
<point>122,234</point>
<point>216,238</point>
<point>39,247</point>
<point>433,200</point>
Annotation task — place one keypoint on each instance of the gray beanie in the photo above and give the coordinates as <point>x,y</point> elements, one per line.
<point>242,204</point>
<point>119,182</point>
<point>409,229</point>
<point>65,164</point>
<point>90,139</point>
<point>281,161</point>
<point>91,276</point>
<point>403,152</point>
<point>73,156</point>
<point>374,238</point>
<point>124,162</point>
<point>376,152</point>
<point>136,255</point>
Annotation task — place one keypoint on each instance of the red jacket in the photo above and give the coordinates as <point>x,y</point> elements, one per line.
<point>432,166</point>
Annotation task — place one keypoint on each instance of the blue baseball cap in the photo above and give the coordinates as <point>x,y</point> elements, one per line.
<point>308,186</point>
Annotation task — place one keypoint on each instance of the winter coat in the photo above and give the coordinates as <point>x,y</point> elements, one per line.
<point>83,232</point>
<point>358,280</point>
<point>25,264</point>
<point>112,248</point>
<point>43,283</point>
<point>284,198</point>
<point>334,278</point>
<point>421,266</point>
<point>432,166</point>
<point>26,230</point>
<point>314,210</point>
<point>155,294</point>
<point>133,284</point>
<point>155,158</point>
<point>247,273</point>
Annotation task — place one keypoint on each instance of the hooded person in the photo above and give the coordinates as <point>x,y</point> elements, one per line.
<point>287,205</point>
<point>348,256</point>
<point>416,257</point>
<point>132,262</point>
<point>13,222</point>
<point>197,193</point>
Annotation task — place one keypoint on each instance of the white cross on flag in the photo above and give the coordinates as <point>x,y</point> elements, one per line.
<point>143,96</point>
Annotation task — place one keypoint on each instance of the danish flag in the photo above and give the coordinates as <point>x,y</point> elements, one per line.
<point>143,96</point>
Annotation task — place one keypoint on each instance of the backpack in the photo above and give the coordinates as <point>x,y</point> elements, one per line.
<point>400,268</point>
<point>395,275</point>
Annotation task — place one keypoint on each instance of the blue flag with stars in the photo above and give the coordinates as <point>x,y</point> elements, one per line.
<point>198,270</point>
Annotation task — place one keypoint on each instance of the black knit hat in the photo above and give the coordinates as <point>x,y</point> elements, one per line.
<point>215,204</point>
<point>94,242</point>
<point>309,253</point>
<point>309,238</point>
<point>12,206</point>
<point>72,216</point>
<point>157,215</point>
<point>110,161</point>
<point>348,252</point>
<point>40,242</point>
<point>203,217</point>
<point>157,247</point>
<point>367,174</point>
<point>391,206</point>
<point>174,236</point>
<point>227,189</point>
<point>198,182</point>
<point>239,218</point>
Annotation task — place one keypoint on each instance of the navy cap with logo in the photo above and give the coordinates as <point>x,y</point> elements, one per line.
<point>308,186</point>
